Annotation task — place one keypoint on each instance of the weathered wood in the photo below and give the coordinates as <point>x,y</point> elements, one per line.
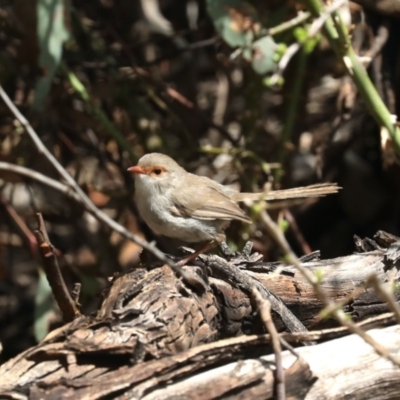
<point>339,278</point>
<point>344,368</point>
<point>235,369</point>
<point>153,331</point>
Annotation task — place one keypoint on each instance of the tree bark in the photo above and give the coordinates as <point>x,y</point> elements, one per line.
<point>155,336</point>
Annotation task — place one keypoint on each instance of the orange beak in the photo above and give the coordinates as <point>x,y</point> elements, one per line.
<point>136,170</point>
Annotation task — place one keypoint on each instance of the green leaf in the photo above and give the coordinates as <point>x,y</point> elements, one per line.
<point>235,20</point>
<point>279,83</point>
<point>239,25</point>
<point>44,307</point>
<point>52,33</point>
<point>264,59</point>
<point>300,34</point>
<point>310,44</point>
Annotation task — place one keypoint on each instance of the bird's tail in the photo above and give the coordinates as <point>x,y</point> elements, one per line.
<point>318,190</point>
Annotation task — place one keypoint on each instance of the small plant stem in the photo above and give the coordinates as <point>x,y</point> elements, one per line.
<point>337,34</point>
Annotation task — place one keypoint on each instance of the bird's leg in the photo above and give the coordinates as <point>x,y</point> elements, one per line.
<point>192,256</point>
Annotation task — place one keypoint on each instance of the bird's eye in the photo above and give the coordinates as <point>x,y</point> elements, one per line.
<point>157,171</point>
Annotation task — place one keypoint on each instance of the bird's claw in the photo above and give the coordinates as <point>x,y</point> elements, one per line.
<point>227,252</point>
<point>244,255</point>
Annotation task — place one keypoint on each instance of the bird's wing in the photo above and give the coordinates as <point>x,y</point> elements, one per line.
<point>204,200</point>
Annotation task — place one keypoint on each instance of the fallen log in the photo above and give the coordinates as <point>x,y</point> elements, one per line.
<point>155,336</point>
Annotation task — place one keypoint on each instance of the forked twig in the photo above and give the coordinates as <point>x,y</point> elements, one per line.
<point>264,307</point>
<point>87,203</point>
<point>316,26</point>
<point>67,306</point>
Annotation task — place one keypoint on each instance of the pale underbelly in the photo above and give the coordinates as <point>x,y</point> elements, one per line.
<point>188,229</point>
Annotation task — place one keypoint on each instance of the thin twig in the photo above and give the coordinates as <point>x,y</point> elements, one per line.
<point>338,314</point>
<point>297,233</point>
<point>37,176</point>
<point>245,282</point>
<point>382,320</point>
<point>316,26</point>
<point>67,306</point>
<point>339,38</point>
<point>264,306</point>
<point>300,18</point>
<point>87,203</point>
<point>283,62</point>
<point>22,227</point>
<point>320,21</point>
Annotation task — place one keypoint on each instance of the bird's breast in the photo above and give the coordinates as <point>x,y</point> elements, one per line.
<point>155,209</point>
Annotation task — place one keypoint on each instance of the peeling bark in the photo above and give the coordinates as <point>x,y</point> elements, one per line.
<point>156,337</point>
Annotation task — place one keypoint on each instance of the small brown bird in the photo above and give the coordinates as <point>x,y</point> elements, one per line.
<point>192,208</point>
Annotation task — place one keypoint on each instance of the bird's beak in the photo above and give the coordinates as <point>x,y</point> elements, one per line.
<point>136,170</point>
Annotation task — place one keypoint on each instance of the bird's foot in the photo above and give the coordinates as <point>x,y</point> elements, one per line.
<point>230,254</point>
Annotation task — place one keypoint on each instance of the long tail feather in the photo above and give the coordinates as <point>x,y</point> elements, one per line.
<point>318,190</point>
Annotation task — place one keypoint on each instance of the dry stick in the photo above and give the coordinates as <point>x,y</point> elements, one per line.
<point>264,307</point>
<point>245,282</point>
<point>339,315</point>
<point>37,176</point>
<point>87,203</point>
<point>296,231</point>
<point>238,343</point>
<point>67,306</point>
<point>22,226</point>
<point>333,333</point>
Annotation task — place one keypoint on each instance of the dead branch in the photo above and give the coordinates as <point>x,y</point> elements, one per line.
<point>154,336</point>
<point>84,199</point>
<point>68,307</point>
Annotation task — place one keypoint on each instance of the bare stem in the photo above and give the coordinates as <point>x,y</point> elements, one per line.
<point>338,314</point>
<point>64,300</point>
<point>83,198</point>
